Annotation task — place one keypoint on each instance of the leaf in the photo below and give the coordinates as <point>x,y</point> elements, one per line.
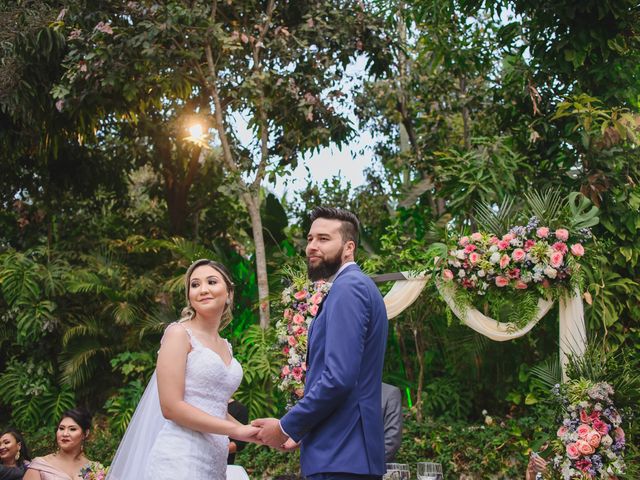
<point>546,206</point>
<point>497,222</point>
<point>581,215</point>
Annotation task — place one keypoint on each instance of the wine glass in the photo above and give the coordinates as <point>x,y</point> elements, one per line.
<point>429,471</point>
<point>397,471</point>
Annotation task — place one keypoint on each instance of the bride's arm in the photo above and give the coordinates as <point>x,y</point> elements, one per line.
<point>170,369</point>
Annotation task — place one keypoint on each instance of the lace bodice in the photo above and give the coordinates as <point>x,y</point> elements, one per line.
<point>209,382</point>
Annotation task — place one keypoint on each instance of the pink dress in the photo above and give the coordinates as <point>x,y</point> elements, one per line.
<point>48,471</point>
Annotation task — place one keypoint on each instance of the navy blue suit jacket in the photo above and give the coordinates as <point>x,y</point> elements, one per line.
<point>339,419</point>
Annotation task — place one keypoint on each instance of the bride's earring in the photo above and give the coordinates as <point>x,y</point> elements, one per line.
<point>18,453</point>
<point>227,301</point>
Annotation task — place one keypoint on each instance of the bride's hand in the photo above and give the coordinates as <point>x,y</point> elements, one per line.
<point>246,433</point>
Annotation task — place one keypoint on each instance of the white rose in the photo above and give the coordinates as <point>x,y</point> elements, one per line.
<point>495,257</point>
<point>461,255</point>
<point>493,248</point>
<point>606,441</point>
<point>550,272</point>
<point>481,273</point>
<point>461,273</point>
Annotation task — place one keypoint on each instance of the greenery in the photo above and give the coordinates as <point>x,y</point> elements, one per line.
<point>106,195</point>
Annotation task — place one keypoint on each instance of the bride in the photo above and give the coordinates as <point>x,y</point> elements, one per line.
<point>181,427</point>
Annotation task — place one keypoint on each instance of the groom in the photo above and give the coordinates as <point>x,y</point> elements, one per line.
<point>338,422</point>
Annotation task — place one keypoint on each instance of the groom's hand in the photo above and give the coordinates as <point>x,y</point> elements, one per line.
<point>270,434</point>
<point>290,445</point>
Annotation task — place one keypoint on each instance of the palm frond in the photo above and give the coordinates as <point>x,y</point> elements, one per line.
<point>547,206</point>
<point>495,221</point>
<point>124,313</point>
<point>548,373</point>
<point>156,321</point>
<point>83,360</point>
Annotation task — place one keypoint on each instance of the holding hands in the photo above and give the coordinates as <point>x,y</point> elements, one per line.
<point>270,433</point>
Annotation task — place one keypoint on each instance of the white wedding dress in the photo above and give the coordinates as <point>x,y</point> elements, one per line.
<point>176,452</point>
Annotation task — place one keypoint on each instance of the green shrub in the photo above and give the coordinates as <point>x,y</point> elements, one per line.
<point>489,449</point>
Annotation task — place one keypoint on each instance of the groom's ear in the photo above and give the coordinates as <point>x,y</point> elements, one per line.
<point>350,248</point>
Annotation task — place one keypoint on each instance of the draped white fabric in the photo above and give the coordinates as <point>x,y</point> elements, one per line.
<point>500,332</point>
<point>572,333</point>
<point>131,457</point>
<point>403,294</point>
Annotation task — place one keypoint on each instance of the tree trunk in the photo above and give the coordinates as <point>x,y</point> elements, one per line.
<point>253,206</point>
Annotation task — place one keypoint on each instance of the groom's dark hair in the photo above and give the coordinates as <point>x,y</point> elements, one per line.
<point>350,223</point>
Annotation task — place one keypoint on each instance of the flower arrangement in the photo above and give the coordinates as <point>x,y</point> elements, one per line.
<point>526,263</point>
<point>523,258</point>
<point>301,303</point>
<point>590,440</point>
<point>93,471</point>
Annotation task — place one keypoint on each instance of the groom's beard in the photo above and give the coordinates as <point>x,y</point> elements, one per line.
<point>325,268</point>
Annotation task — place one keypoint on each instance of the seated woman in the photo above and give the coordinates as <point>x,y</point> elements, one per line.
<point>66,463</point>
<point>13,455</point>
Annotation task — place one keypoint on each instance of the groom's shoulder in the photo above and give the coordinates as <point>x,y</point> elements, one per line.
<point>353,275</point>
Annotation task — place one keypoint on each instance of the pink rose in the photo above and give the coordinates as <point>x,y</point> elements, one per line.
<point>297,373</point>
<point>584,416</point>
<point>285,370</point>
<point>529,244</point>
<point>463,241</point>
<point>583,430</point>
<point>285,350</point>
<point>593,438</point>
<point>560,247</point>
<point>501,281</point>
<point>298,319</point>
<point>301,295</point>
<point>600,427</point>
<point>288,314</point>
<point>508,237</point>
<point>556,259</point>
<point>474,257</point>
<point>518,254</point>
<point>572,451</point>
<point>562,234</point>
<point>316,298</point>
<point>503,245</point>
<point>619,434</point>
<point>313,310</point>
<point>584,448</point>
<point>520,285</point>
<point>447,274</point>
<point>494,240</point>
<point>469,248</point>
<point>562,431</point>
<point>577,249</point>
<point>504,260</point>
<point>300,330</point>
<point>542,232</point>
<point>476,236</point>
<point>292,341</point>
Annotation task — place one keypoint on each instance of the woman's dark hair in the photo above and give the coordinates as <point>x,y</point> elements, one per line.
<point>79,415</point>
<point>24,450</point>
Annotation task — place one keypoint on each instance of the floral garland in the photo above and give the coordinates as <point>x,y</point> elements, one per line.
<point>301,303</point>
<point>93,471</point>
<point>526,263</point>
<point>590,441</point>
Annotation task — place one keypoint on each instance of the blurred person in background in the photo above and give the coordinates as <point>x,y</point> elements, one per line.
<point>14,455</point>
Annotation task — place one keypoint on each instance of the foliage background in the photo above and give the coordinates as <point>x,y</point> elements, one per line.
<point>105,202</point>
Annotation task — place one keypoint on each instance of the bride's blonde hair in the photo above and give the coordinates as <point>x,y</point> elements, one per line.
<point>188,313</point>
